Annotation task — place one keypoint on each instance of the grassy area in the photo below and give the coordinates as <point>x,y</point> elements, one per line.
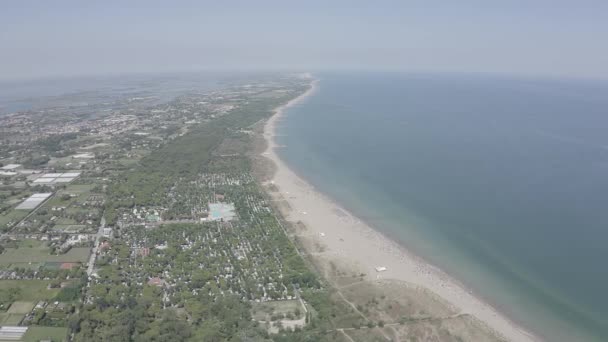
<point>79,188</point>
<point>68,228</point>
<point>25,265</point>
<point>391,301</point>
<point>12,216</point>
<point>36,251</point>
<point>30,290</point>
<point>29,243</point>
<point>264,311</point>
<point>82,192</point>
<point>61,162</point>
<point>21,307</point>
<point>10,318</point>
<point>36,333</point>
<point>57,201</point>
<point>64,221</point>
<point>128,162</point>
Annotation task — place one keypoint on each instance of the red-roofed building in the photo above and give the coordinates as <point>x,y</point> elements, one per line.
<point>104,246</point>
<point>144,251</point>
<point>156,281</point>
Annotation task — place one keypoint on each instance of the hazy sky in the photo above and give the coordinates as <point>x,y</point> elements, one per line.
<point>557,37</point>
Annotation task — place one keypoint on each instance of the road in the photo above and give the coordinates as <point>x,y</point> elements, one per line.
<point>102,225</point>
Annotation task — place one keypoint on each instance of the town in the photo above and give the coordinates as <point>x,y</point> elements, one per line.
<point>145,217</point>
<point>135,206</point>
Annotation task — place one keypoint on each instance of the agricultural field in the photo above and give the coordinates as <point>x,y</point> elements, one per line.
<point>21,298</point>
<point>11,217</point>
<point>74,207</point>
<point>68,228</point>
<point>37,333</point>
<point>10,318</point>
<point>35,251</point>
<point>28,290</point>
<point>20,307</point>
<point>16,312</point>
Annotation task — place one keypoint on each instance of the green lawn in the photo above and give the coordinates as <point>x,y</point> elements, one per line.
<point>21,307</point>
<point>30,243</point>
<point>36,333</point>
<point>10,318</point>
<point>64,221</point>
<point>73,228</point>
<point>79,211</point>
<point>57,201</point>
<point>31,290</point>
<point>82,192</point>
<point>38,252</point>
<point>26,265</point>
<point>128,162</point>
<point>79,188</point>
<point>12,216</point>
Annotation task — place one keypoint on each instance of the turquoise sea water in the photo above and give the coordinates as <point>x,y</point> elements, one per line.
<point>501,182</point>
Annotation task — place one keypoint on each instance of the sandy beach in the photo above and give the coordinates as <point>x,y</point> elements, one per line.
<point>349,241</point>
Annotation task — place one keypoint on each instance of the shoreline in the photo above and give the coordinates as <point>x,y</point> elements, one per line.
<point>349,240</point>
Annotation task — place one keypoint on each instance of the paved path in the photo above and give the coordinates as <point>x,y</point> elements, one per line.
<point>93,256</point>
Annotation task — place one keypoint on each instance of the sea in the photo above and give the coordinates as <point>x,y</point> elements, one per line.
<point>502,182</point>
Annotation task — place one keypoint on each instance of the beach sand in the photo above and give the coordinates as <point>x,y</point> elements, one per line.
<point>346,240</point>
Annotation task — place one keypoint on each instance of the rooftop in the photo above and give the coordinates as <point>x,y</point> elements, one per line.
<point>33,201</point>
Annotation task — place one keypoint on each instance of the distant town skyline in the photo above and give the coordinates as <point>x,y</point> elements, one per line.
<point>73,38</point>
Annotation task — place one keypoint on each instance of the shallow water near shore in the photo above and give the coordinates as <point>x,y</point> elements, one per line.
<point>502,183</point>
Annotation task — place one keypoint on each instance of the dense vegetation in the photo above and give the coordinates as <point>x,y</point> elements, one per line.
<point>185,156</point>
<point>199,304</point>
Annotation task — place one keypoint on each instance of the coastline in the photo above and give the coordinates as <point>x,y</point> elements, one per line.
<point>346,240</point>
